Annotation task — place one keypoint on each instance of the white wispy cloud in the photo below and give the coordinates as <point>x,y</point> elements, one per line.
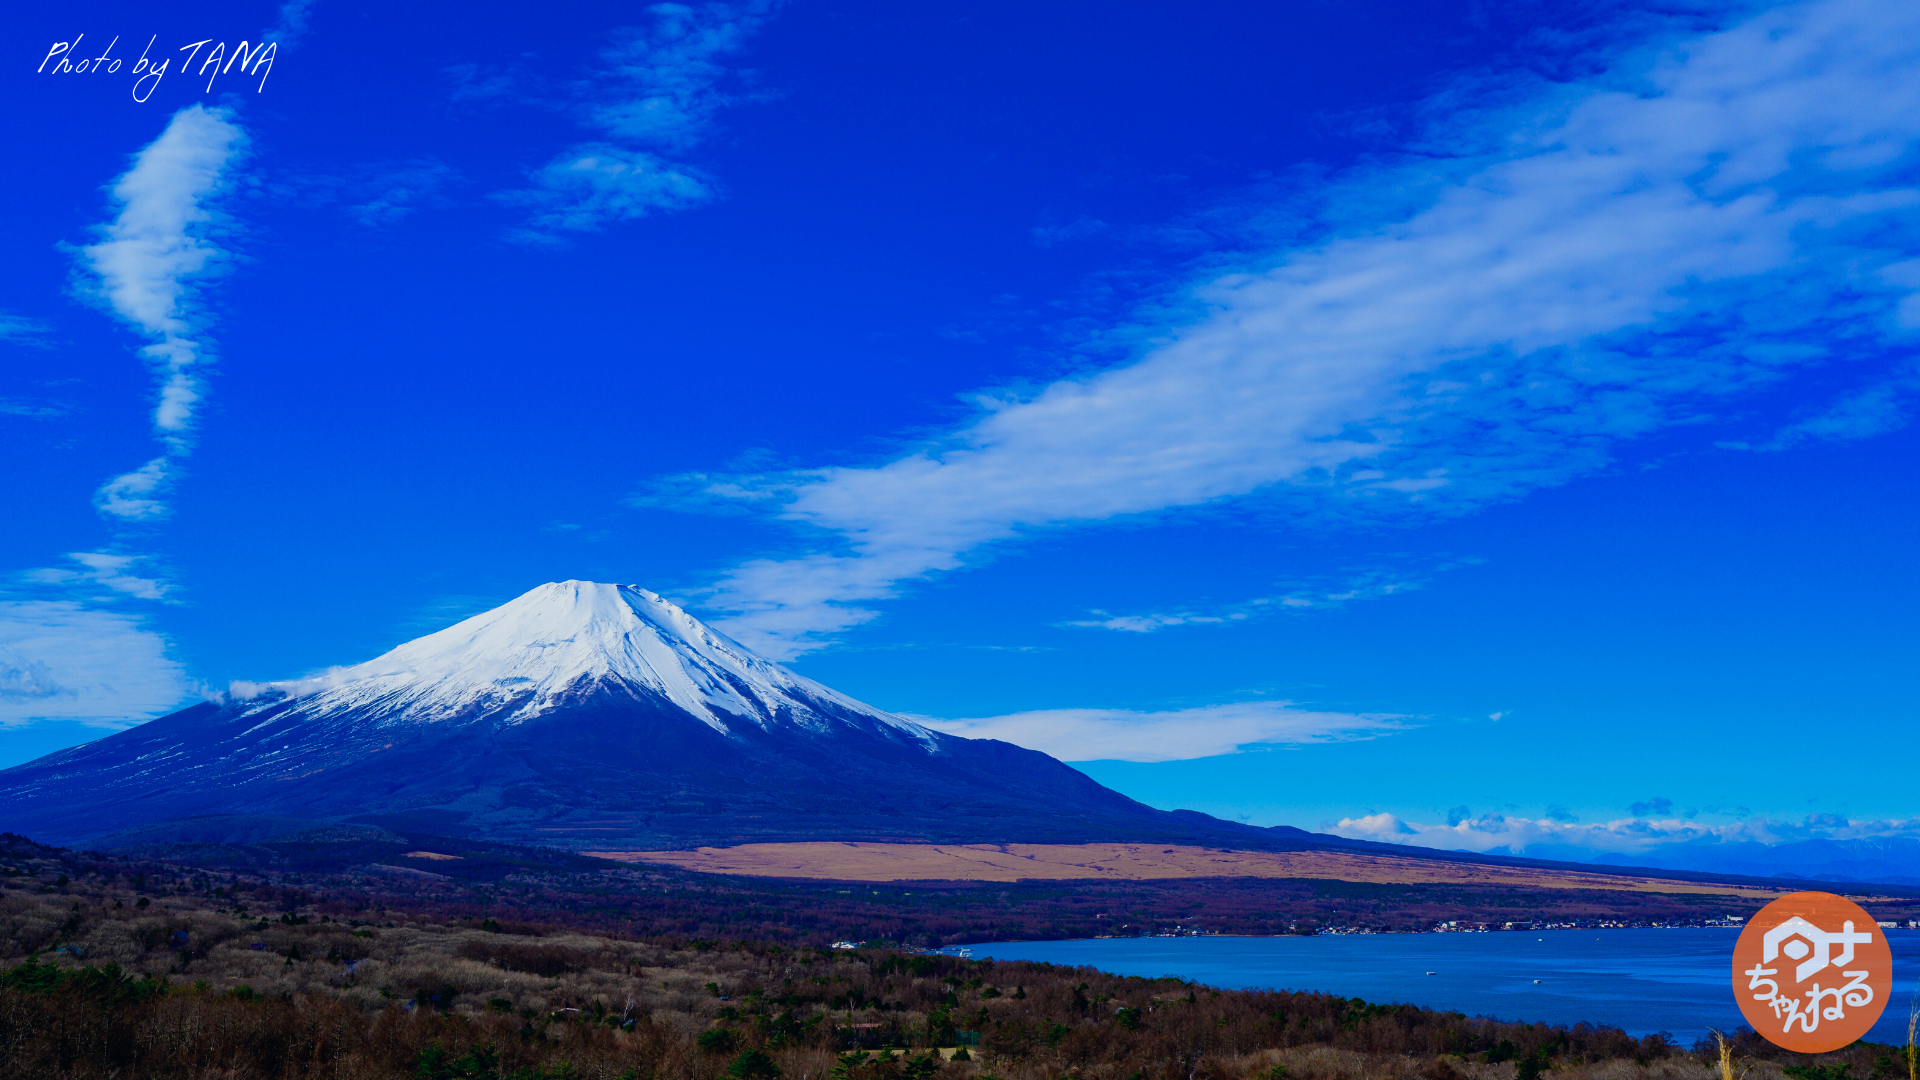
<point>148,264</point>
<point>21,330</point>
<point>658,94</point>
<point>595,183</point>
<point>292,24</point>
<point>39,410</point>
<point>136,496</point>
<point>474,82</point>
<point>60,660</point>
<point>1175,735</point>
<point>101,569</point>
<point>1605,261</point>
<point>1862,414</point>
<point>385,194</point>
<point>31,333</point>
<point>374,193</point>
<point>672,74</point>
<point>1147,624</point>
<point>1370,586</point>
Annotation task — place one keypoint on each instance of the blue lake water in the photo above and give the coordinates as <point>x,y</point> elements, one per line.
<point>1677,981</point>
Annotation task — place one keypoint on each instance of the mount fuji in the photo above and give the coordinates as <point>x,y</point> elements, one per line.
<point>581,716</point>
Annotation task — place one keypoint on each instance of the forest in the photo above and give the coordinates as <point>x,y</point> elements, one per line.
<point>123,969</point>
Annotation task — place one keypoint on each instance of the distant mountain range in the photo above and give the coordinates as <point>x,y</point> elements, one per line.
<point>594,717</point>
<point>582,716</point>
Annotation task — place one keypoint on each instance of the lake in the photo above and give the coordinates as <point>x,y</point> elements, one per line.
<point>1675,981</point>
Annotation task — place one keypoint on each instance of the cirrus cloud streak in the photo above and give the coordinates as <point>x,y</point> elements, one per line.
<point>147,266</point>
<point>1606,261</point>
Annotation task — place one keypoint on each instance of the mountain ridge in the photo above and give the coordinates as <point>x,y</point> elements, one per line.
<point>578,714</point>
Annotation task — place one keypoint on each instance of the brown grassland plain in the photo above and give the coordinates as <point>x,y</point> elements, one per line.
<point>1134,862</point>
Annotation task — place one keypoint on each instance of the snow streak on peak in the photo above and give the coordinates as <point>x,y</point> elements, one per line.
<point>566,638</point>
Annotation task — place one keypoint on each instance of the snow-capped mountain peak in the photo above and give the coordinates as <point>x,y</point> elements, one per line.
<point>527,655</point>
<point>589,716</point>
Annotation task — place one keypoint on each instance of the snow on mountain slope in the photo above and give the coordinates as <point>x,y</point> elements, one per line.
<point>528,655</point>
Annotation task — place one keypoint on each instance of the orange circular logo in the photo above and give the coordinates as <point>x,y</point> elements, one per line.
<point>1812,972</point>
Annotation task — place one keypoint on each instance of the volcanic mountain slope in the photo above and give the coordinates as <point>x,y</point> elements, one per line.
<point>580,715</point>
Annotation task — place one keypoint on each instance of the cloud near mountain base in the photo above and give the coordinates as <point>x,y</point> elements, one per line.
<point>1499,834</point>
<point>1175,735</point>
<point>60,660</point>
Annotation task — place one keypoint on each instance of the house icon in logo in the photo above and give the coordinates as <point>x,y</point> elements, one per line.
<point>1818,1007</point>
<point>1797,937</point>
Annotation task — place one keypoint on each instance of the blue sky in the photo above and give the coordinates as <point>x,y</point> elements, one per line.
<point>1480,425</point>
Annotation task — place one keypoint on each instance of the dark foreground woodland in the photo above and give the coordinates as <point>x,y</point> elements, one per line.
<point>148,970</point>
